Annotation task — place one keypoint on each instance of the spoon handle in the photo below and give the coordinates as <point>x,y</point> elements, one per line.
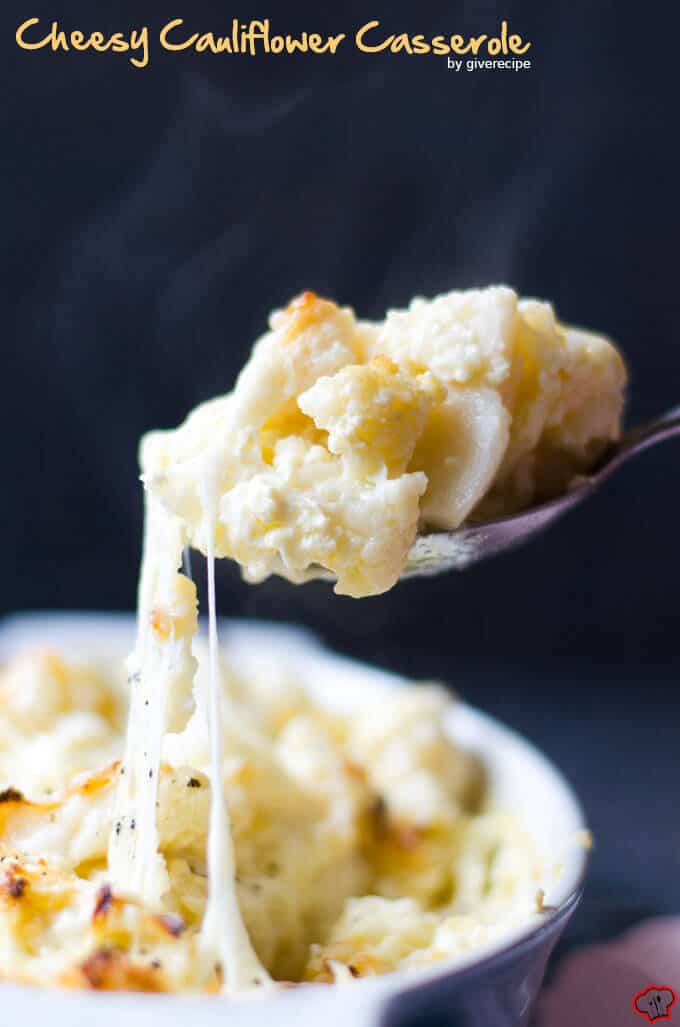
<point>638,439</point>
<point>664,427</point>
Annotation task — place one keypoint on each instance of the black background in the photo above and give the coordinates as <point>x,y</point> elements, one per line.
<point>155,216</point>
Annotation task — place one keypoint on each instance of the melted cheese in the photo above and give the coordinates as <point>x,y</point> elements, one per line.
<point>161,676</point>
<point>326,809</point>
<point>336,441</point>
<point>160,667</point>
<point>223,937</point>
<point>339,438</point>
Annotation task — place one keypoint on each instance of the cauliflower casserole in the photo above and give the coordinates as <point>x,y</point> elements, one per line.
<point>197,826</point>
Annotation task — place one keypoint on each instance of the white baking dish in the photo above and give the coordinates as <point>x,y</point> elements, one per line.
<point>495,987</point>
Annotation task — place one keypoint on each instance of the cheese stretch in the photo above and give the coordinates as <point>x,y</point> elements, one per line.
<point>249,835</point>
<point>161,681</point>
<point>338,439</point>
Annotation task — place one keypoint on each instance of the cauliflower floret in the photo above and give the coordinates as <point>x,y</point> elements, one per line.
<point>61,716</point>
<point>464,337</point>
<point>565,402</point>
<point>590,401</point>
<point>371,937</point>
<point>307,510</point>
<point>460,450</point>
<point>342,436</point>
<point>312,337</point>
<point>412,763</point>
<point>40,686</point>
<point>373,413</point>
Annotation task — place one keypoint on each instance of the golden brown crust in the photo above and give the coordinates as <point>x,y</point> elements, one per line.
<point>12,884</point>
<point>303,311</point>
<point>111,969</point>
<point>11,795</point>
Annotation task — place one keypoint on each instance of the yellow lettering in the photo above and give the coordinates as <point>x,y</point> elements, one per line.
<point>118,44</point>
<point>400,42</point>
<point>208,42</point>
<point>20,36</point>
<point>335,41</point>
<point>368,39</point>
<point>359,38</point>
<point>259,30</point>
<point>504,36</point>
<point>167,29</point>
<point>58,38</point>
<point>296,44</point>
<point>419,45</point>
<point>515,42</point>
<point>139,40</point>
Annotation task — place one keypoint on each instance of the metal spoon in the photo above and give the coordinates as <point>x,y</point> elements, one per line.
<point>435,552</point>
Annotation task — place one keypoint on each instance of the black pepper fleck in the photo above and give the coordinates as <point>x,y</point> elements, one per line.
<point>104,901</point>
<point>16,886</point>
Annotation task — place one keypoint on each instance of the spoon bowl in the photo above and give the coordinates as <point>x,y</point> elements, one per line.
<point>435,552</point>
